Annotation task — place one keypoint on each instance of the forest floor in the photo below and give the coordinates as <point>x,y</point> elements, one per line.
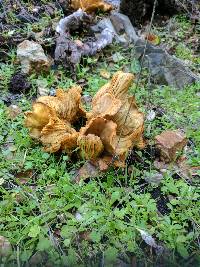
<point>47,218</point>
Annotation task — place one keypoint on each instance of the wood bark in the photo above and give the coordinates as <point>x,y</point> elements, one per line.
<point>69,51</point>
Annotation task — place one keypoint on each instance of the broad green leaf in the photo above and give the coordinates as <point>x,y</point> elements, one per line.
<point>34,231</point>
<point>44,244</point>
<point>67,242</point>
<point>95,236</point>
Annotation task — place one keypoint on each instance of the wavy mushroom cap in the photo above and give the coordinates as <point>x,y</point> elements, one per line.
<point>66,103</point>
<point>36,119</point>
<point>55,134</point>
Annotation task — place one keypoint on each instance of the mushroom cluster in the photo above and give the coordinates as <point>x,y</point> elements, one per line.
<point>114,124</point>
<point>91,5</point>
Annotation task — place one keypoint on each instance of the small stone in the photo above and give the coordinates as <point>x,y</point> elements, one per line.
<point>86,99</point>
<point>154,178</point>
<point>43,89</point>
<point>32,57</point>
<point>13,111</point>
<point>116,57</point>
<point>170,143</point>
<point>5,247</point>
<point>78,216</point>
<point>52,92</point>
<point>151,115</point>
<point>118,20</point>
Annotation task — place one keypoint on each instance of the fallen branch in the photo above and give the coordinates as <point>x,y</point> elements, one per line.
<point>72,22</point>
<point>70,51</point>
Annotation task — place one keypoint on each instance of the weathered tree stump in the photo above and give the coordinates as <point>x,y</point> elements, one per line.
<point>140,10</point>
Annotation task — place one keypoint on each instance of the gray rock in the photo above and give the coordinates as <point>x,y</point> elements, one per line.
<point>164,68</point>
<point>151,115</point>
<point>121,27</point>
<point>32,57</point>
<point>154,178</point>
<point>106,23</point>
<point>42,87</point>
<point>86,99</point>
<point>118,20</point>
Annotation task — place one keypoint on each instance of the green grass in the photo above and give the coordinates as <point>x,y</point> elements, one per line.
<point>60,221</point>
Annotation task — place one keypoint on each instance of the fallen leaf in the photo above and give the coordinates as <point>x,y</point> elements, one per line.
<point>88,170</point>
<point>103,166</point>
<point>153,39</point>
<point>105,74</point>
<point>85,236</point>
<point>24,176</point>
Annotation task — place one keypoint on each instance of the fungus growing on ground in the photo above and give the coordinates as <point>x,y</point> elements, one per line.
<point>114,124</point>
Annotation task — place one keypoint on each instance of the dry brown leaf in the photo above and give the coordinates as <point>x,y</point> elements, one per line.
<point>86,171</point>
<point>91,5</point>
<point>24,176</point>
<point>90,146</point>
<point>153,39</point>
<point>105,74</point>
<point>115,161</point>
<point>103,166</point>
